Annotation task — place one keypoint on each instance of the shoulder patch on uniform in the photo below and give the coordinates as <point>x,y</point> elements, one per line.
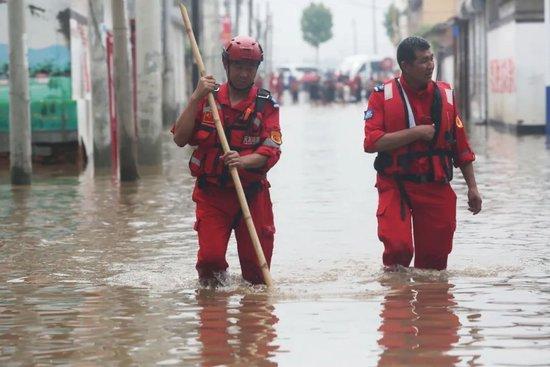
<point>368,114</point>
<point>379,88</point>
<point>459,123</point>
<point>276,136</point>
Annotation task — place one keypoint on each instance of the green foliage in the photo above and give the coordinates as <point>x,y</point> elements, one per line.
<point>390,21</point>
<point>316,24</point>
<point>427,31</point>
<point>48,68</point>
<point>4,68</point>
<point>42,68</point>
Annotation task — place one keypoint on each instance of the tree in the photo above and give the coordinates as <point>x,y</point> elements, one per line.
<point>316,25</point>
<point>391,23</point>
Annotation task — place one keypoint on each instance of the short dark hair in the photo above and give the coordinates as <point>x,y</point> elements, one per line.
<point>407,48</point>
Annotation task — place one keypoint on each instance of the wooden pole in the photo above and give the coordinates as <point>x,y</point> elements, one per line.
<point>223,140</point>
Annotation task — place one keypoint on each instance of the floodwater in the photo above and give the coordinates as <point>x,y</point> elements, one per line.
<point>95,274</point>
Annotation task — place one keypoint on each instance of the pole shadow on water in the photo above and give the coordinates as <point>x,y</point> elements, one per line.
<point>418,323</point>
<point>236,329</point>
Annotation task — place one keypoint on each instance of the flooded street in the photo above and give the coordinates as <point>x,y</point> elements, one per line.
<point>93,274</point>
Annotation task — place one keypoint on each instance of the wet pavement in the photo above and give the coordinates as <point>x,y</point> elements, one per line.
<point>92,273</point>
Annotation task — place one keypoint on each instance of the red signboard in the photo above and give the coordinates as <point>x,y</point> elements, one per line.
<point>225,35</point>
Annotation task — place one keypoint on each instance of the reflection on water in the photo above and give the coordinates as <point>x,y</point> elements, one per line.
<point>419,325</point>
<point>236,329</point>
<point>97,273</point>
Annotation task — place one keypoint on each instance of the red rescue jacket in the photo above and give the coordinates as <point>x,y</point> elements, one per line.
<point>243,136</point>
<point>419,161</point>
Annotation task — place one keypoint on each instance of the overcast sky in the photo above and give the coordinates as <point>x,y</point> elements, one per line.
<point>288,45</point>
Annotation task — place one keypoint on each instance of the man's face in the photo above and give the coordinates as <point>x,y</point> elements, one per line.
<point>421,69</point>
<point>242,73</point>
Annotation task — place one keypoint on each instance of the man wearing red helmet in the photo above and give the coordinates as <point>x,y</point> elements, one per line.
<point>250,118</point>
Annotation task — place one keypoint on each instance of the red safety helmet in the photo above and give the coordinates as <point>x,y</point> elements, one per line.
<point>242,48</point>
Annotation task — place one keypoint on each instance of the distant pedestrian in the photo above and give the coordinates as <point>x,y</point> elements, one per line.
<point>413,124</point>
<point>294,88</point>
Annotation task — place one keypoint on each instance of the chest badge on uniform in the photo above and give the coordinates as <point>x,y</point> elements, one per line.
<point>459,123</point>
<point>276,137</point>
<point>251,140</point>
<point>207,116</point>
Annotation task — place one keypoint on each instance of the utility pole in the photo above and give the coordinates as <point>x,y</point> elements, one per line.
<point>20,120</point>
<point>250,16</point>
<point>268,36</point>
<point>374,40</point>
<point>149,80</point>
<point>258,34</point>
<point>123,93</point>
<point>547,32</point>
<point>354,30</point>
<point>169,102</point>
<point>237,16</point>
<point>227,8</point>
<point>100,87</point>
<point>197,29</point>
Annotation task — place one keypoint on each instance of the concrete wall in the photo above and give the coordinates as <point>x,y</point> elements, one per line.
<point>57,62</point>
<point>530,73</point>
<point>501,58</point>
<point>515,76</point>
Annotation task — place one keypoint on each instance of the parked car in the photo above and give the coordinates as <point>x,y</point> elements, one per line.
<point>296,70</point>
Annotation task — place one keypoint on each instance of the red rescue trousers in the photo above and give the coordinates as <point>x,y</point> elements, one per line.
<point>433,214</point>
<point>218,213</point>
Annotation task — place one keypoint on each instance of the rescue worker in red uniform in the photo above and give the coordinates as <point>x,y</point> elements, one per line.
<point>250,118</point>
<point>413,124</point>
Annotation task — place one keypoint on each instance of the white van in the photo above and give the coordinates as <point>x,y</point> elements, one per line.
<point>366,66</point>
<point>296,70</point>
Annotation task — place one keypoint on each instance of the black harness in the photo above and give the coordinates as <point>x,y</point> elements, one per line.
<point>242,123</point>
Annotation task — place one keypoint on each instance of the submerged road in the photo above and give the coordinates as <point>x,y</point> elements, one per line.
<point>96,274</point>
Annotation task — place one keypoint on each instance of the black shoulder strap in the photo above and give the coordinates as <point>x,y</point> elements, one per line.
<point>262,97</point>
<point>436,112</point>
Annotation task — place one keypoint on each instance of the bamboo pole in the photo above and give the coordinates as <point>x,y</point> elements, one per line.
<point>223,140</point>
